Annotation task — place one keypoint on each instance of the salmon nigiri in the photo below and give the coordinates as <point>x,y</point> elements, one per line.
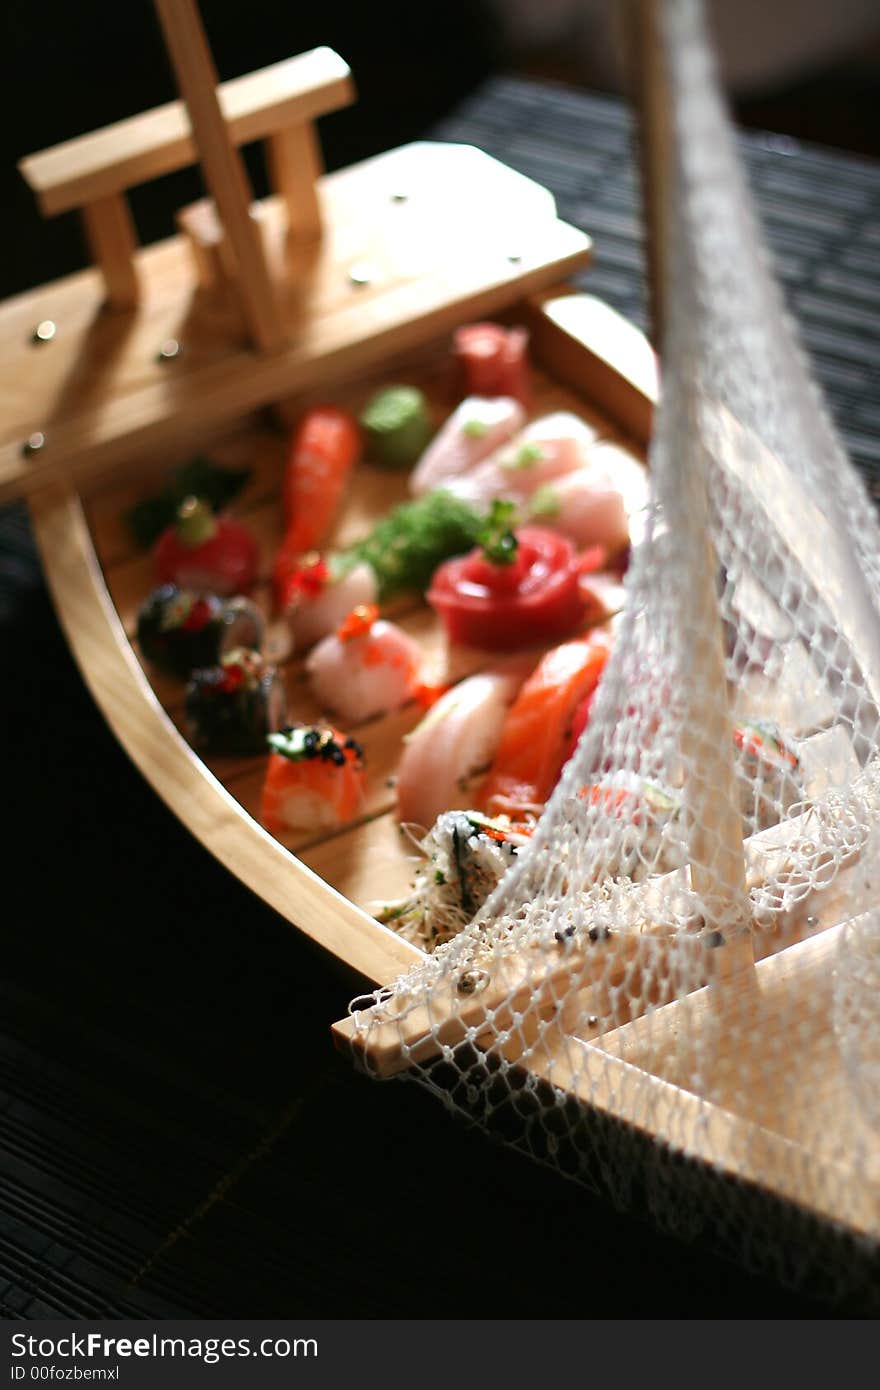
<point>537,734</point>
<point>314,781</point>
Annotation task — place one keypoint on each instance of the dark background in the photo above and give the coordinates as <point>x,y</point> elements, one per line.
<point>177,1136</point>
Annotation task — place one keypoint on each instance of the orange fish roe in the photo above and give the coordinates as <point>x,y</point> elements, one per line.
<point>358,622</point>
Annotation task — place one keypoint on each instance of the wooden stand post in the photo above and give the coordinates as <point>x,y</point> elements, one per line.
<point>295,165</point>
<point>223,167</point>
<point>112,243</point>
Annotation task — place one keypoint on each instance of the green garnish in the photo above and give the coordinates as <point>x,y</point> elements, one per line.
<point>405,547</point>
<point>475,429</point>
<point>201,478</point>
<point>290,743</point>
<point>499,543</point>
<point>194,521</point>
<point>525,457</point>
<point>397,426</point>
<point>545,501</point>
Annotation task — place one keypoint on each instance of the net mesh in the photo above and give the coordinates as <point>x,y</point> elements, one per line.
<point>672,993</point>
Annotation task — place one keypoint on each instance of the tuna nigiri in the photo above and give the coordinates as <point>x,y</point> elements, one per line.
<point>367,667</point>
<point>475,430</point>
<point>314,781</point>
<point>456,739</point>
<point>536,738</point>
<point>317,601</point>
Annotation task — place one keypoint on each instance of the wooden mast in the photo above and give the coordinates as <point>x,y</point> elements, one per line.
<point>711,797</point>
<point>223,167</point>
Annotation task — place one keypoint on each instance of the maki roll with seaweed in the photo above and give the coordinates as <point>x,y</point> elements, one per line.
<point>462,859</point>
<point>232,707</point>
<point>314,781</point>
<point>183,631</point>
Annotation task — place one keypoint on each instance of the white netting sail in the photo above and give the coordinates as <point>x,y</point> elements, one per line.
<point>673,991</point>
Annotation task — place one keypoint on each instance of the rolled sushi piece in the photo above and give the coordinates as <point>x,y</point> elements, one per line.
<point>182,631</point>
<point>314,780</point>
<point>233,706</point>
<point>461,860</point>
<point>367,667</point>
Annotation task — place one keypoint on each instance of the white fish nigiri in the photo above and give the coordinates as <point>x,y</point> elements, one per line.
<point>600,503</point>
<point>586,507</point>
<point>321,607</point>
<point>473,431</point>
<point>456,738</point>
<point>547,449</point>
<point>367,667</point>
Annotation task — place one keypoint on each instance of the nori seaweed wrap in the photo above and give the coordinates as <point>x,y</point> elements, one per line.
<point>232,707</point>
<point>183,631</point>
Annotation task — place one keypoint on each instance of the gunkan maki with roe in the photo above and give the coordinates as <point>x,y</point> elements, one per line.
<point>233,706</point>
<point>182,631</point>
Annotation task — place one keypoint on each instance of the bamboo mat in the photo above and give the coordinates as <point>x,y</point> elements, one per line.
<point>176,1135</point>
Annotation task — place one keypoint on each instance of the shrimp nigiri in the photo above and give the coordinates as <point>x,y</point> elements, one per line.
<point>367,667</point>
<point>322,455</point>
<point>536,738</point>
<point>456,738</point>
<point>316,601</point>
<point>314,780</point>
<point>474,431</point>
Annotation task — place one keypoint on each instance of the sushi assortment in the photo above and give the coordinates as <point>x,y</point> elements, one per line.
<point>517,532</point>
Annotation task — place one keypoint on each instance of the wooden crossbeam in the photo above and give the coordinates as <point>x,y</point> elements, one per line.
<point>254,107</point>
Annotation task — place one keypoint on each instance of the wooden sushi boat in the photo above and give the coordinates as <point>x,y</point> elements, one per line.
<point>219,337</point>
